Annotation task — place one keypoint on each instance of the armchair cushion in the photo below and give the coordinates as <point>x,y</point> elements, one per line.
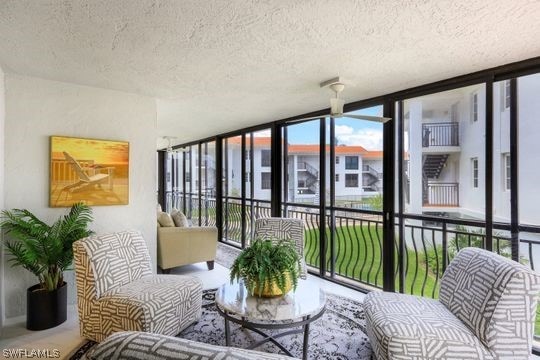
<point>489,294</point>
<point>117,259</point>
<point>159,304</point>
<point>180,220</point>
<point>410,327</point>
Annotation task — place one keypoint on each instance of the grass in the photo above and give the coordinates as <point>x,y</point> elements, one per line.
<point>358,256</point>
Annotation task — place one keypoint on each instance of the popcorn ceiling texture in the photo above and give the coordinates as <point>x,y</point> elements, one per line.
<point>225,64</point>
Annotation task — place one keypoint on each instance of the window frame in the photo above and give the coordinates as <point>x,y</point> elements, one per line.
<point>267,181</point>
<point>348,180</point>
<point>475,173</point>
<point>266,161</point>
<point>349,162</point>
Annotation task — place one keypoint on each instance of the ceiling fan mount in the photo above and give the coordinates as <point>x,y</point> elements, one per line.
<point>337,85</point>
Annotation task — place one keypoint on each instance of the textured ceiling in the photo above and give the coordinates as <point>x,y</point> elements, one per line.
<point>222,65</point>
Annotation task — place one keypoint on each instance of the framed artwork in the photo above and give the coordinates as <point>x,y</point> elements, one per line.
<point>95,172</point>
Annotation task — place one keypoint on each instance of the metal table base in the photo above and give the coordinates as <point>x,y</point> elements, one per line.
<point>256,327</point>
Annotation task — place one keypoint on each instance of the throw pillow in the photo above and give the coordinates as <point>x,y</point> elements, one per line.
<point>165,220</point>
<point>180,220</point>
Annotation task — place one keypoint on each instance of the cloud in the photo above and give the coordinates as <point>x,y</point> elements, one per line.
<point>368,138</point>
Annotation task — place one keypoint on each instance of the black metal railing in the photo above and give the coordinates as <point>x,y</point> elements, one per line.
<point>441,194</point>
<point>440,134</point>
<point>354,251</point>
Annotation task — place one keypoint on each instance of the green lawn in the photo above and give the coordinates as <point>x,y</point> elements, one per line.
<point>358,256</point>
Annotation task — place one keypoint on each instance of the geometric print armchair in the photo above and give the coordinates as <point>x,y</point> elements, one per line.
<point>486,310</point>
<point>283,229</point>
<point>117,291</point>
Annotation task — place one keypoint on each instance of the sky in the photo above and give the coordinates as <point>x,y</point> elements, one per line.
<point>100,151</point>
<point>349,131</point>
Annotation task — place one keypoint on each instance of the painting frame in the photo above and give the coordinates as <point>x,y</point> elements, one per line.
<point>88,170</point>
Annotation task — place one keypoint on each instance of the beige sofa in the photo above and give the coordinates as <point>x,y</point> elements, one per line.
<point>179,246</point>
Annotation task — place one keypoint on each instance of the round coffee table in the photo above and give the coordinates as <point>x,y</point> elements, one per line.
<point>294,311</point>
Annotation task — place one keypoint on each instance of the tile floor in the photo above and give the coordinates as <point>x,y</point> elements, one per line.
<point>65,338</point>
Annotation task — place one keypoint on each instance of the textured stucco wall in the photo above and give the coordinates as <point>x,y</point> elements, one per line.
<point>36,109</point>
<point>2,123</point>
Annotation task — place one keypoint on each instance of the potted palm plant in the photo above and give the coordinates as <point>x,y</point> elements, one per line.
<point>268,268</point>
<point>46,251</point>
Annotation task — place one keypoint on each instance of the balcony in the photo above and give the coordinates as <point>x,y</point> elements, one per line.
<point>440,194</point>
<point>440,135</point>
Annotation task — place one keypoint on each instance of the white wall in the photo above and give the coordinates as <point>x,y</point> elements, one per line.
<point>2,137</point>
<point>36,109</point>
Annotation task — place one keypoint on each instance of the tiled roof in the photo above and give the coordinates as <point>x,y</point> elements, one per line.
<point>312,148</point>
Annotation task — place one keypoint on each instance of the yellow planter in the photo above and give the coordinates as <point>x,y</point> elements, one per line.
<point>271,289</point>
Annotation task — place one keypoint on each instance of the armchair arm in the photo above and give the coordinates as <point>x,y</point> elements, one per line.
<point>185,245</point>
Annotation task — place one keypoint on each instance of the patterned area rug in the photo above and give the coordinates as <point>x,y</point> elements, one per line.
<point>338,334</point>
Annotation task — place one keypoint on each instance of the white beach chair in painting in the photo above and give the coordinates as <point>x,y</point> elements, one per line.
<point>85,181</point>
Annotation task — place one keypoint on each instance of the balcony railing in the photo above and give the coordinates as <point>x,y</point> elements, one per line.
<point>441,194</point>
<point>358,239</point>
<point>440,134</point>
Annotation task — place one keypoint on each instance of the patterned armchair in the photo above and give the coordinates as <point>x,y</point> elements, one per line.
<point>116,289</point>
<point>283,228</point>
<point>486,310</point>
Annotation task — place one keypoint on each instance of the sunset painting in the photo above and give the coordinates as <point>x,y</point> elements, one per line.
<point>95,172</point>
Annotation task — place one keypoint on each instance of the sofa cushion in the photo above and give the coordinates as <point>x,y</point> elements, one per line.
<point>406,327</point>
<point>163,304</point>
<point>180,220</point>
<point>138,345</point>
<point>117,259</point>
<point>165,220</point>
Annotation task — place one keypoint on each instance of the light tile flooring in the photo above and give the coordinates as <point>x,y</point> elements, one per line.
<point>65,338</point>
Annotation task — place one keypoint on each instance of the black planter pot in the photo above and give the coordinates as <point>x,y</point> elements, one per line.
<point>45,309</point>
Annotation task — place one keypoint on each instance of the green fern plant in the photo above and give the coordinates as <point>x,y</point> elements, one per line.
<point>45,250</point>
<point>264,262</point>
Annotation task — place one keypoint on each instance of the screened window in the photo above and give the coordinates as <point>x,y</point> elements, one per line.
<point>337,177</point>
<point>266,181</point>
<point>506,171</point>
<point>474,116</point>
<point>337,159</point>
<point>351,180</point>
<point>474,170</point>
<point>507,94</point>
<point>265,158</point>
<point>351,162</point>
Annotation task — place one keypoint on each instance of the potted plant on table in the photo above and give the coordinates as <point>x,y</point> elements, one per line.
<point>46,251</point>
<point>268,268</point>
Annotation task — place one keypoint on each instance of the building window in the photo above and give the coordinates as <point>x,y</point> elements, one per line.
<point>506,172</point>
<point>248,154</point>
<point>266,180</point>
<point>474,168</point>
<point>506,99</point>
<point>351,180</point>
<point>351,162</point>
<point>337,160</point>
<point>265,158</point>
<point>248,176</point>
<point>337,177</point>
<point>474,101</point>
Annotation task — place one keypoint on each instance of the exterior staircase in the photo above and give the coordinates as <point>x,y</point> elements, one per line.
<point>370,178</point>
<point>433,165</point>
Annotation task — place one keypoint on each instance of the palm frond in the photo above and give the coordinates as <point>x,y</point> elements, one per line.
<point>44,250</point>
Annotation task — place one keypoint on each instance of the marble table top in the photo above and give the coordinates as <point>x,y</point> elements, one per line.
<point>307,300</point>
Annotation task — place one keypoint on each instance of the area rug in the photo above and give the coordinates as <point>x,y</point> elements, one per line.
<point>338,334</point>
